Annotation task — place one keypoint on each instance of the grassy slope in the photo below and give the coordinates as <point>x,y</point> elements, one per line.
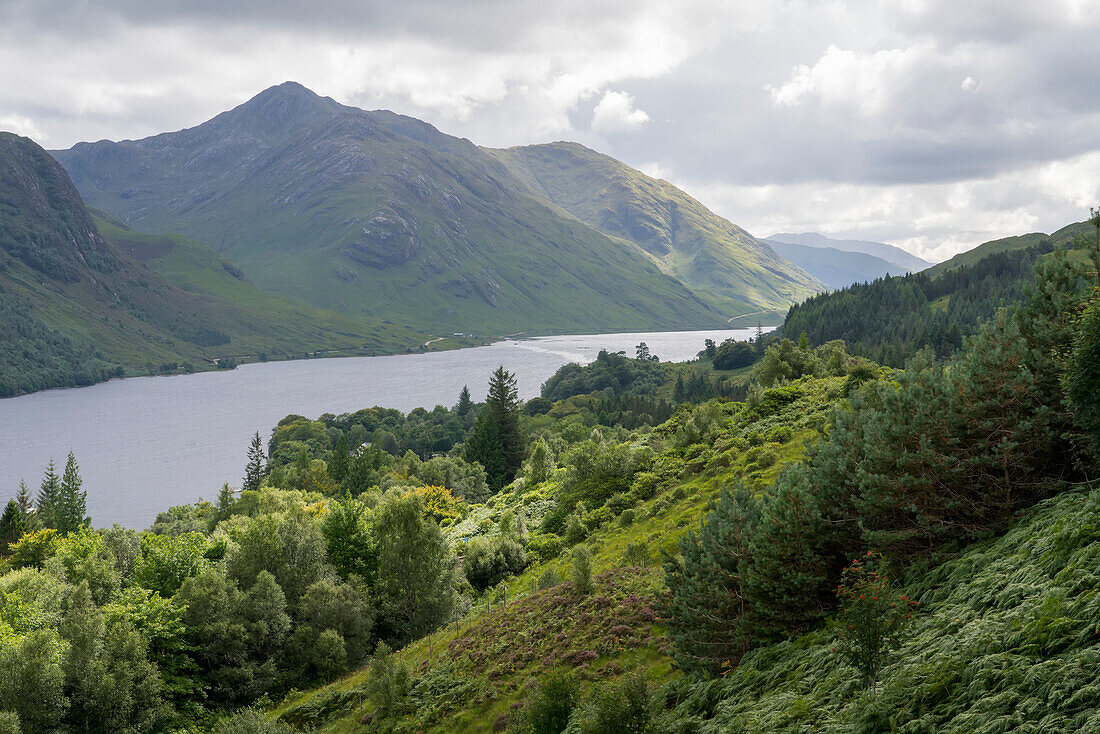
<point>501,649</point>
<point>1061,238</point>
<point>379,216</point>
<point>256,322</point>
<point>739,273</point>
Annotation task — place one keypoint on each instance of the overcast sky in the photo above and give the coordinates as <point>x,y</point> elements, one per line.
<point>931,124</point>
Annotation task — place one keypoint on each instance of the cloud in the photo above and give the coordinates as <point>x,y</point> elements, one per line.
<point>616,112</point>
<point>21,125</point>
<point>855,116</point>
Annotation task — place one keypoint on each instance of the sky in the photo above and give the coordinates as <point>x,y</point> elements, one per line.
<point>931,124</point>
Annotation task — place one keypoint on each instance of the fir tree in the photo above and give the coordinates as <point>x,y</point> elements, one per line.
<point>46,502</point>
<point>484,447</point>
<point>12,525</point>
<point>465,404</point>
<point>503,404</point>
<point>71,508</point>
<point>257,464</point>
<point>225,501</point>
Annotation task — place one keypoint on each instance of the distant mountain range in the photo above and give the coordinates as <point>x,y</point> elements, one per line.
<point>901,260</point>
<point>381,216</point>
<point>82,301</point>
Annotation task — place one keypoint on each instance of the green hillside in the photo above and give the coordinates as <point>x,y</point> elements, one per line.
<point>83,305</point>
<point>1062,238</point>
<point>379,216</point>
<point>716,258</point>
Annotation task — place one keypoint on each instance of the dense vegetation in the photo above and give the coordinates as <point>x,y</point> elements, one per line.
<point>376,554</point>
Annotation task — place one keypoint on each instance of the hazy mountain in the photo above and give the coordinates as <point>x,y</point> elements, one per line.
<point>889,253</point>
<point>375,214</point>
<point>713,256</point>
<point>79,307</point>
<point>836,268</point>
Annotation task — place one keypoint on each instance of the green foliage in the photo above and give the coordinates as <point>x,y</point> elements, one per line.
<point>257,464</point>
<point>253,721</point>
<point>581,571</point>
<point>350,544</point>
<point>389,684</point>
<point>548,708</point>
<point>488,561</point>
<point>33,549</point>
<point>9,723</point>
<point>415,585</point>
<point>164,562</point>
<point>1083,375</point>
<point>733,354</point>
<point>872,617</point>
<point>34,683</point>
<point>622,706</point>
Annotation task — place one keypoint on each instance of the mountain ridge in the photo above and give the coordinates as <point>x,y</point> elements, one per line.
<point>890,253</point>
<point>381,215</point>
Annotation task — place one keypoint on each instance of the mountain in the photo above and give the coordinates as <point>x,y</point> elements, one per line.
<point>716,258</point>
<point>1061,238</point>
<point>889,253</point>
<point>82,303</point>
<point>836,268</point>
<point>379,215</point>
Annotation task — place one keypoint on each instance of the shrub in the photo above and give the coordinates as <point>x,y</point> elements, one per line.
<point>549,579</point>
<point>544,547</point>
<point>627,518</point>
<point>582,571</point>
<point>780,434</point>
<point>490,560</point>
<point>872,617</point>
<point>645,485</point>
<point>389,683</point>
<point>636,554</point>
<point>252,721</point>
<point>623,706</point>
<point>755,438</point>
<point>575,531</point>
<point>548,706</point>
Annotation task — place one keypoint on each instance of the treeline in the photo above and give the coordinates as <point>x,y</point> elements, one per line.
<point>914,467</point>
<point>889,320</point>
<point>40,358</point>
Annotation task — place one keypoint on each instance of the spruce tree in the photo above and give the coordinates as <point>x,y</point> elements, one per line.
<point>465,404</point>
<point>12,525</point>
<point>484,447</point>
<point>503,404</point>
<point>70,513</point>
<point>46,502</point>
<point>257,464</point>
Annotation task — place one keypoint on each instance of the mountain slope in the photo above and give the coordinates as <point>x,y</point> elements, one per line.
<point>1063,237</point>
<point>715,257</point>
<point>836,268</point>
<point>889,253</point>
<point>374,214</point>
<point>78,309</point>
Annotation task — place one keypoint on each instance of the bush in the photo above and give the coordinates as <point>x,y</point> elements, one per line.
<point>489,561</point>
<point>9,723</point>
<point>624,706</point>
<point>544,547</point>
<point>548,708</point>
<point>251,721</point>
<point>627,518</point>
<point>780,434</point>
<point>636,554</point>
<point>575,530</point>
<point>582,571</point>
<point>389,684</point>
<point>549,579</point>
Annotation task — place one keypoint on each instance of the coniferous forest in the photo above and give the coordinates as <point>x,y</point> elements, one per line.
<point>781,535</point>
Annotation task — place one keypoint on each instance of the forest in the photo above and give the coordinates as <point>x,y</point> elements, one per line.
<point>782,535</point>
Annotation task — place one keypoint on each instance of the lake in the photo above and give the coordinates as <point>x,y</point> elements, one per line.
<point>146,443</point>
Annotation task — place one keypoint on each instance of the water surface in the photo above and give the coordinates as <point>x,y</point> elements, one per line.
<point>146,443</point>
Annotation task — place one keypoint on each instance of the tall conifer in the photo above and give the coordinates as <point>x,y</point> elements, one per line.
<point>46,502</point>
<point>257,464</point>
<point>70,511</point>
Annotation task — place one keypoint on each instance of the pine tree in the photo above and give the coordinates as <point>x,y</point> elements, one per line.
<point>257,464</point>
<point>71,508</point>
<point>225,501</point>
<point>707,605</point>
<point>503,404</point>
<point>465,404</point>
<point>340,459</point>
<point>46,502</point>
